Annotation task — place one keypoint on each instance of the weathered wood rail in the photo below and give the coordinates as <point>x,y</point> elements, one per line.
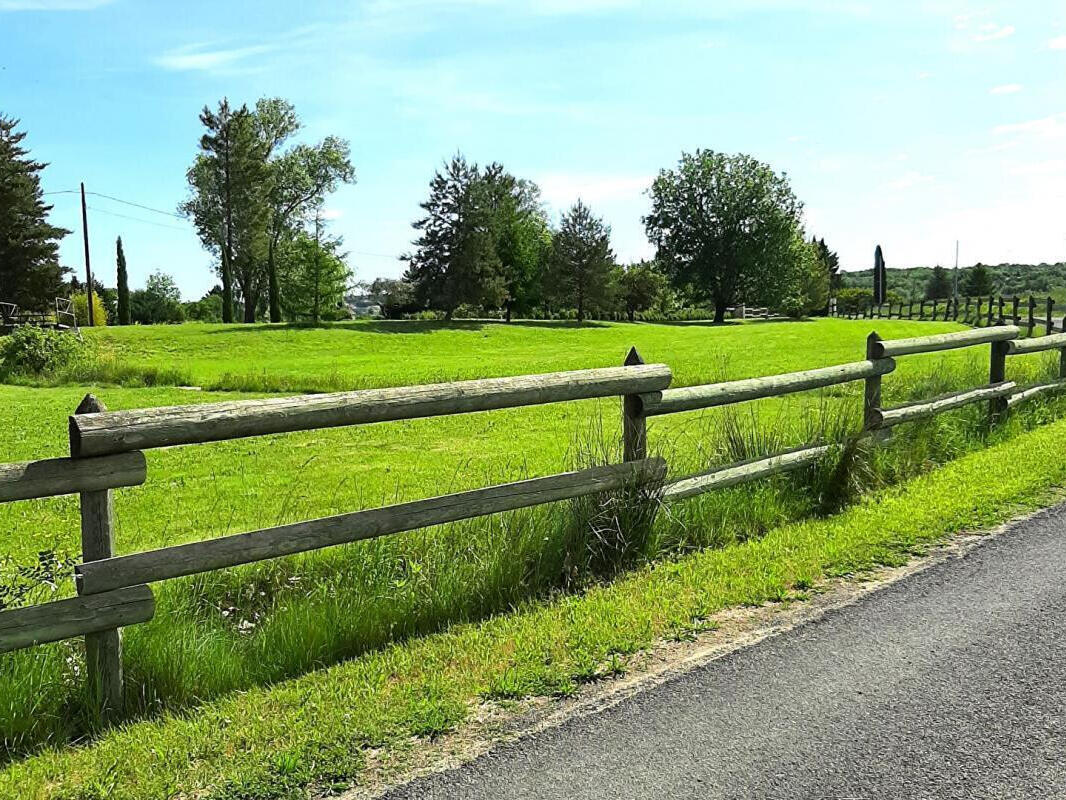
<point>106,453</point>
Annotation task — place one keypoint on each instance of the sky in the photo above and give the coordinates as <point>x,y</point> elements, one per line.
<point>910,124</point>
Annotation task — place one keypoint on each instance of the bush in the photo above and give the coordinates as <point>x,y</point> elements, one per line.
<point>854,301</point>
<point>81,310</point>
<point>39,351</point>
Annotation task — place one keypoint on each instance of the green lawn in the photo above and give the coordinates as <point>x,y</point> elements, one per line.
<point>241,628</point>
<point>314,734</point>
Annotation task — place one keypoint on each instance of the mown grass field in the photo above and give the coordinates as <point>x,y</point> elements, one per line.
<point>252,626</point>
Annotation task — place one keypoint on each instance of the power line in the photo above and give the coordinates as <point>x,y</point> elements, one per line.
<point>136,219</point>
<point>119,200</point>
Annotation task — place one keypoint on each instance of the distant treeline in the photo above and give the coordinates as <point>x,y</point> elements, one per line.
<point>1002,279</point>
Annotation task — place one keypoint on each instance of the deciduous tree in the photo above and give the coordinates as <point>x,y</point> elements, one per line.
<point>723,226</point>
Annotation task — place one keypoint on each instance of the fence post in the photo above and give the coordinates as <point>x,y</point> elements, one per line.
<point>997,372</point>
<point>921,310</point>
<point>910,309</point>
<point>1014,318</point>
<point>1001,319</point>
<point>634,423</point>
<point>103,651</point>
<point>1049,325</point>
<point>871,400</point>
<point>1032,310</point>
<point>977,313</point>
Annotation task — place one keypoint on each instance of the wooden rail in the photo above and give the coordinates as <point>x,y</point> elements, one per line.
<point>735,474</point>
<point>245,548</point>
<point>886,418</point>
<point>690,398</point>
<point>1034,391</point>
<point>76,616</point>
<point>141,429</point>
<point>1036,344</point>
<point>944,341</point>
<point>56,476</point>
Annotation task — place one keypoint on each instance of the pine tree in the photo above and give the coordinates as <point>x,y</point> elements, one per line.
<point>313,276</point>
<point>455,260</point>
<point>979,282</point>
<point>30,274</point>
<point>939,286</point>
<point>582,261</point>
<point>123,284</point>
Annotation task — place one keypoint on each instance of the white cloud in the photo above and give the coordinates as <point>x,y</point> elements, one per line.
<point>992,31</point>
<point>198,57</point>
<point>52,5</point>
<point>909,180</point>
<point>332,213</point>
<point>1006,88</point>
<point>1053,127</point>
<point>1058,43</point>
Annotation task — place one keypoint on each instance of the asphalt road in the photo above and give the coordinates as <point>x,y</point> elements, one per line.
<point>950,683</point>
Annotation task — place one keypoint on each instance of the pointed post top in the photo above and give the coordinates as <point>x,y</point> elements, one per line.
<point>872,349</point>
<point>90,404</point>
<point>632,358</point>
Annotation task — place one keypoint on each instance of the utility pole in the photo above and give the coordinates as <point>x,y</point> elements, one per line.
<point>88,267</point>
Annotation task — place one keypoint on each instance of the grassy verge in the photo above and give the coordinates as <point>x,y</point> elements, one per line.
<point>313,732</point>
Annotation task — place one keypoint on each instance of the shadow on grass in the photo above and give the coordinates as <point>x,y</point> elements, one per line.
<point>406,326</point>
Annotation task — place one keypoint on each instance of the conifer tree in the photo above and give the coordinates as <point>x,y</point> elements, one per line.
<point>123,284</point>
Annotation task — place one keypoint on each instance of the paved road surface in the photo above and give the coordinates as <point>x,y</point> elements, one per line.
<point>948,684</point>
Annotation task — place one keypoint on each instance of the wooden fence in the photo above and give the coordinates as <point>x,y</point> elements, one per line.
<point>106,452</point>
<point>1030,314</point>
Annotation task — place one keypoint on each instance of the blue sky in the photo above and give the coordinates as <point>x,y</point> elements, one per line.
<point>909,124</point>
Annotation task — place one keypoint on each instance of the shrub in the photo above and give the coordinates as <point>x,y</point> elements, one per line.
<point>39,351</point>
<point>854,301</point>
<point>81,310</point>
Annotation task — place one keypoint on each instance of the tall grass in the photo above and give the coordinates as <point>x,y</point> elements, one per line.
<point>229,630</point>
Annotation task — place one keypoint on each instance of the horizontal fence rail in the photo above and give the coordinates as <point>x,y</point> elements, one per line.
<point>945,341</point>
<point>1037,344</point>
<point>57,476</point>
<point>142,429</point>
<point>245,548</point>
<point>75,616</point>
<point>709,395</point>
<point>735,474</point>
<point>1027,392</point>
<point>888,417</point>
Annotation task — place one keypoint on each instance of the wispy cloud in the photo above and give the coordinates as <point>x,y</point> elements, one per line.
<point>52,5</point>
<point>561,189</point>
<point>202,57</point>
<point>1058,43</point>
<point>991,32</point>
<point>1006,88</point>
<point>1052,127</point>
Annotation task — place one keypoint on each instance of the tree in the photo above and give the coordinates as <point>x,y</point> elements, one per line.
<point>640,287</point>
<point>521,236</point>
<point>395,297</point>
<point>582,261</point>
<point>723,226</point>
<point>30,274</point>
<point>299,179</point>
<point>315,277</point>
<point>939,285</point>
<point>159,301</point>
<point>830,262</point>
<point>979,281</point>
<point>455,260</point>
<point>811,280</point>
<point>123,284</point>
<point>80,304</point>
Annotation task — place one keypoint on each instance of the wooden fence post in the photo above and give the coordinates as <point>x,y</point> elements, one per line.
<point>921,310</point>
<point>910,309</point>
<point>977,313</point>
<point>1001,318</point>
<point>1049,325</point>
<point>1032,310</point>
<point>966,312</point>
<point>991,300</point>
<point>997,372</point>
<point>634,423</point>
<point>103,651</point>
<point>1014,318</point>
<point>871,401</point>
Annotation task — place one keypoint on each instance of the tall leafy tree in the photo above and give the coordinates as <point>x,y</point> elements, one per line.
<point>939,285</point>
<point>455,260</point>
<point>582,261</point>
<point>723,226</point>
<point>30,274</point>
<point>123,280</point>
<point>299,179</point>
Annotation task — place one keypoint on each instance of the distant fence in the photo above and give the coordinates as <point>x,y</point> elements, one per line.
<point>106,453</point>
<point>1030,313</point>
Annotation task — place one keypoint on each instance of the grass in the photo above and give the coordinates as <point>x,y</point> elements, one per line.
<point>316,732</point>
<point>244,628</point>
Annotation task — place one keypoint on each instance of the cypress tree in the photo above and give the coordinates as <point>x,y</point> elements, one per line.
<point>30,274</point>
<point>123,285</point>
